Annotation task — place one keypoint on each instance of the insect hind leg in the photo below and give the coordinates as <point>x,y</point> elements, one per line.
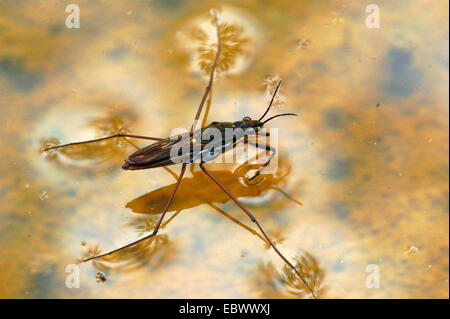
<point>155,231</point>
<point>253,219</point>
<point>102,139</point>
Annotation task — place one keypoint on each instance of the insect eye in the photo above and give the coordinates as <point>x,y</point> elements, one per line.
<point>247,118</point>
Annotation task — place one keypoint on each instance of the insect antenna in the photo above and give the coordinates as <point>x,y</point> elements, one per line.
<point>278,115</point>
<point>271,101</point>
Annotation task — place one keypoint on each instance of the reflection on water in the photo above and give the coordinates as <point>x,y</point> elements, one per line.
<point>367,158</point>
<point>101,156</point>
<point>199,38</point>
<point>285,284</point>
<point>151,253</point>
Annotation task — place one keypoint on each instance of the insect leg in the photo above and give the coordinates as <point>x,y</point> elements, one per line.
<point>234,220</point>
<point>286,195</point>
<point>171,172</point>
<point>265,147</point>
<point>155,231</point>
<point>253,219</point>
<point>211,77</point>
<point>171,218</point>
<point>132,144</point>
<point>183,169</point>
<point>102,139</point>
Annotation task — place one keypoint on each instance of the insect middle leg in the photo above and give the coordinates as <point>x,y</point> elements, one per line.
<point>215,207</point>
<point>155,231</point>
<point>211,76</point>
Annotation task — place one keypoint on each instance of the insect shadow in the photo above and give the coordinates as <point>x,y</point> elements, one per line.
<point>158,250</point>
<point>194,193</point>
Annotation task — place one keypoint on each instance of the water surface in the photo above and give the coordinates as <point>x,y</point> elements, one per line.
<point>367,158</point>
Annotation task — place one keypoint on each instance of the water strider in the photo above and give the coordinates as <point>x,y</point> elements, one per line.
<point>194,147</point>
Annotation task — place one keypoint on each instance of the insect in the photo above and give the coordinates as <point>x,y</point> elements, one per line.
<point>100,277</point>
<point>198,148</point>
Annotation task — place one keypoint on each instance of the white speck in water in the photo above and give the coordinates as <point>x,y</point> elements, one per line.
<point>412,250</point>
<point>430,141</point>
<point>44,195</point>
<point>400,174</point>
<point>337,18</point>
<point>27,186</point>
<point>129,13</point>
<point>303,43</point>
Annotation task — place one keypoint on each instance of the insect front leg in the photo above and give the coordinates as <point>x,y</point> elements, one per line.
<point>265,147</point>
